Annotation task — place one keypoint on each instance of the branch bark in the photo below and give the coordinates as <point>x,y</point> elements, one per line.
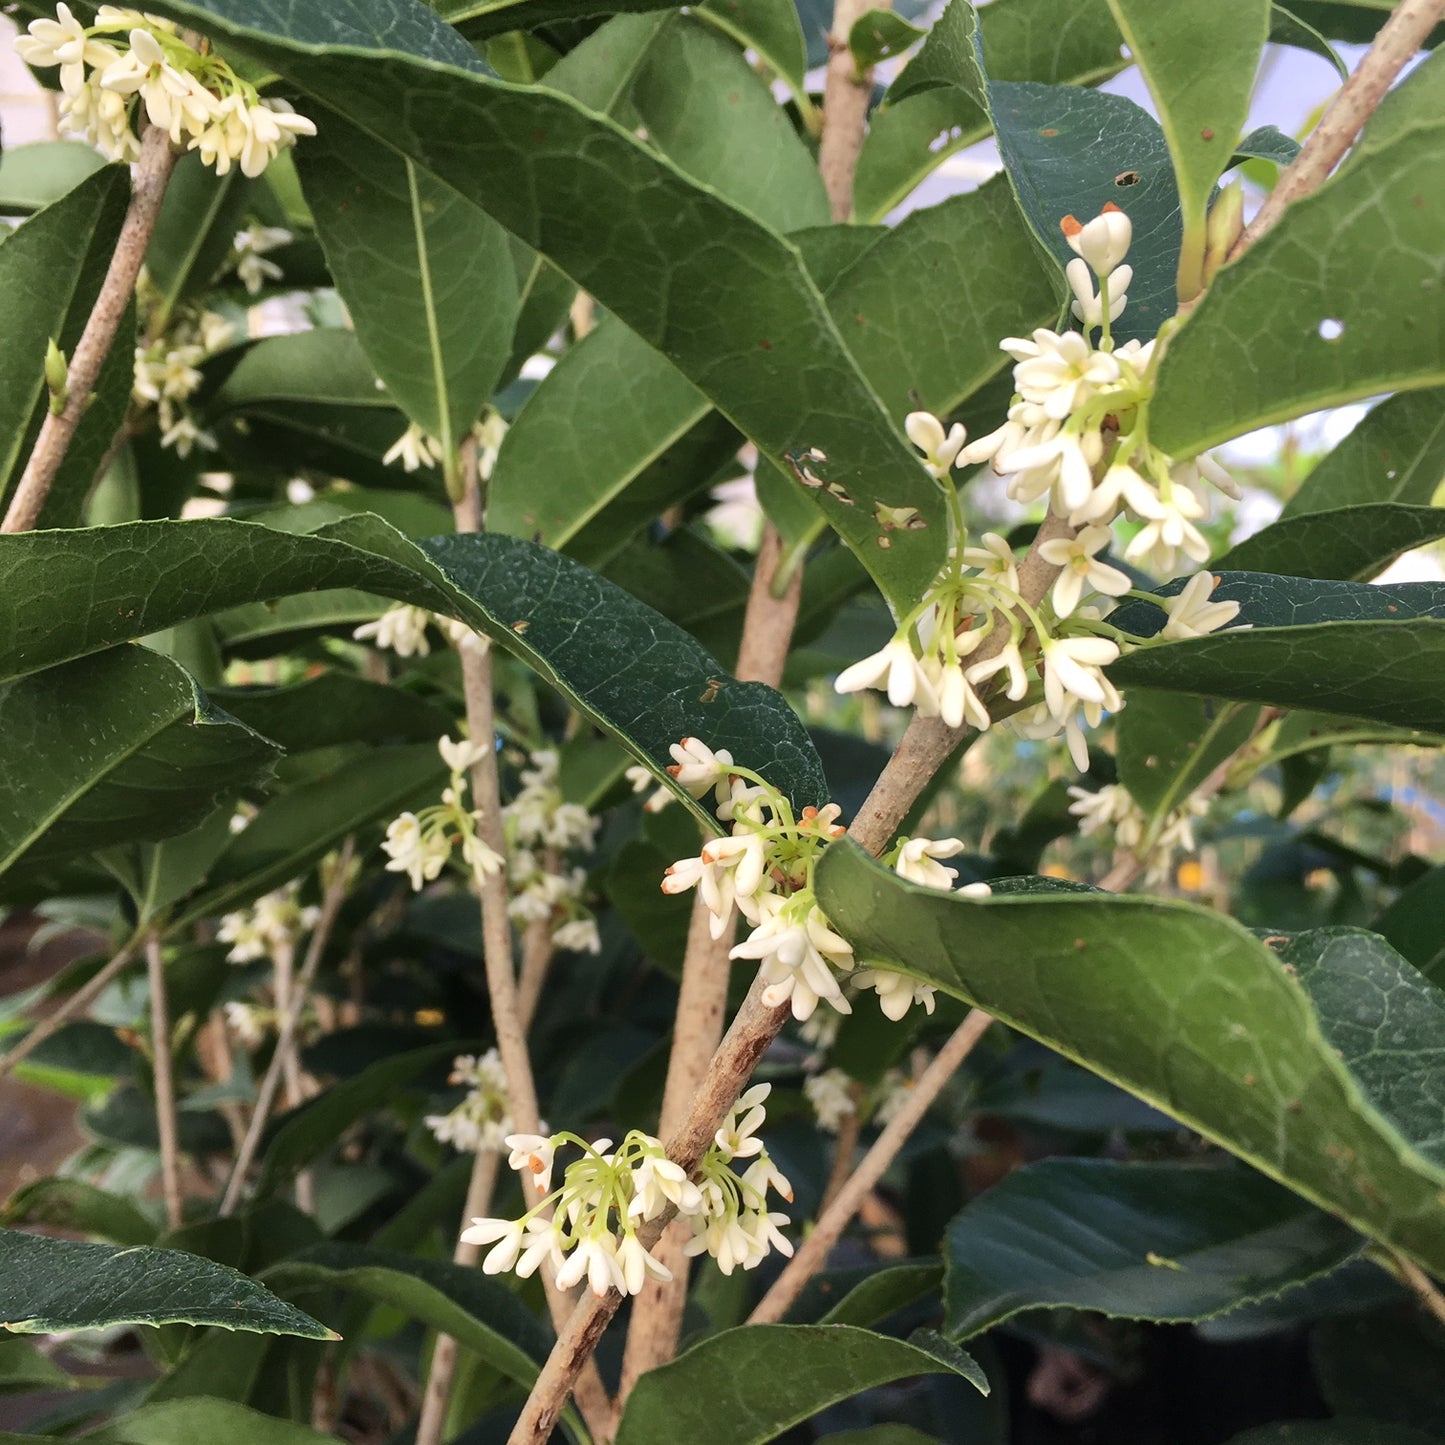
<point>148,187</point>
<point>813,1254</point>
<point>846,93</point>
<point>1398,40</point>
<point>165,1080</point>
<point>287,1030</point>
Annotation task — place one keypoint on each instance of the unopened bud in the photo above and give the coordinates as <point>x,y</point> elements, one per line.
<point>1222,230</point>
<point>57,373</point>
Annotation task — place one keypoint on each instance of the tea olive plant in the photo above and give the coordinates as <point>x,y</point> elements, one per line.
<point>493,1006</point>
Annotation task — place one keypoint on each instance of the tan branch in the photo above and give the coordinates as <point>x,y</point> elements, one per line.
<point>288,1028</point>
<point>813,1254</point>
<point>846,93</point>
<point>1398,40</point>
<point>148,187</point>
<point>165,1080</point>
<point>845,1151</point>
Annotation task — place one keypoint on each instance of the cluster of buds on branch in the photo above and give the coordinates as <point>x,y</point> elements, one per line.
<point>194,96</point>
<point>1077,436</point>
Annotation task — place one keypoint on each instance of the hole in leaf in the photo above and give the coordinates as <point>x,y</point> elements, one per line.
<point>1127,178</point>
<point>1331,329</point>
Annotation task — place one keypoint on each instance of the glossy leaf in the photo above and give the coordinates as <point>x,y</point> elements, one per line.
<point>1199,63</point>
<point>1180,1006</point>
<point>707,110</point>
<point>74,1205</point>
<point>427,276</point>
<point>725,298</point>
<point>1168,1242</point>
<point>1051,41</point>
<point>335,708</point>
<point>32,176</point>
<point>475,1309</point>
<point>1344,543</point>
<point>1411,924</point>
<point>1288,28</point>
<point>183,1422</point>
<point>748,1385</point>
<point>772,30</point>
<point>56,1285</point>
<point>51,269</point>
<point>880,35</point>
<point>23,1369</point>
<point>1395,454</point>
<point>602,647</point>
<point>1306,647</point>
<point>1168,743</point>
<point>974,250</point>
<point>160,762</point>
<point>195,232</point>
<point>1267,143</point>
<point>1327,307</point>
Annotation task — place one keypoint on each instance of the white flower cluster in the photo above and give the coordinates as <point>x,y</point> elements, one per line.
<point>415,448</point>
<point>249,1022</point>
<point>197,99</point>
<point>540,825</point>
<point>251,246</point>
<point>420,844</point>
<point>402,630</point>
<point>483,1119</point>
<point>275,921</point>
<point>1077,435</point>
<point>1112,808</point>
<point>167,372</point>
<point>765,869</point>
<point>587,1229</point>
<point>835,1097</point>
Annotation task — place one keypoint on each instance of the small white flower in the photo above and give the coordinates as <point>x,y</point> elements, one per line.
<point>917,861</point>
<point>897,993</point>
<point>459,755</point>
<point>62,42</point>
<point>420,855</point>
<point>1007,658</point>
<point>1169,528</point>
<point>1059,371</point>
<point>1078,557</point>
<point>657,1183</point>
<point>896,668</point>
<point>1088,304</point>
<point>1192,614</point>
<point>958,703</point>
<point>995,560</point>
<point>1102,242</point>
<point>578,936</point>
<point>401,630</point>
<point>940,449</point>
<point>641,780</point>
<point>830,1094</point>
<point>414,449</point>
<point>637,1265</point>
<point>532,1154</point>
<point>1071,671</point>
<point>699,769</point>
<point>736,1137</point>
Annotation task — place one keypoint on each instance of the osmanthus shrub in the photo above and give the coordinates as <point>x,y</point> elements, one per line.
<point>503,891</point>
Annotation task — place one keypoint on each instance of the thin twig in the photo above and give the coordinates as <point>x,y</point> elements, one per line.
<point>845,1150</point>
<point>80,1000</point>
<point>165,1080</point>
<point>1398,40</point>
<point>846,93</point>
<point>287,1029</point>
<point>814,1251</point>
<point>502,989</point>
<point>148,187</point>
<point>657,1312</point>
<point>537,954</point>
<point>756,1025</point>
<point>1420,1284</point>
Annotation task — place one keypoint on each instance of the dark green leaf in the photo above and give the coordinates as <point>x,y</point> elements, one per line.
<point>1331,305</point>
<point>51,269</point>
<point>1337,647</point>
<point>74,1205</point>
<point>23,1369</point>
<point>183,1422</point>
<point>974,250</point>
<point>603,648</point>
<point>1350,544</point>
<point>772,30</point>
<point>316,1125</point>
<point>127,1117</point>
<point>1385,1365</point>
<point>163,759</point>
<point>1168,743</point>
<point>475,1309</point>
<point>1178,1005</point>
<point>707,110</point>
<point>726,299</point>
<point>55,1285</point>
<point>1053,41</point>
<point>335,708</point>
<point>1167,1242</point>
<point>1395,454</point>
<point>1266,144</point>
<point>884,1292</point>
<point>748,1385</point>
<point>195,232</point>
<point>1287,28</point>
<point>1199,62</point>
<point>1411,924</point>
<point>426,275</point>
